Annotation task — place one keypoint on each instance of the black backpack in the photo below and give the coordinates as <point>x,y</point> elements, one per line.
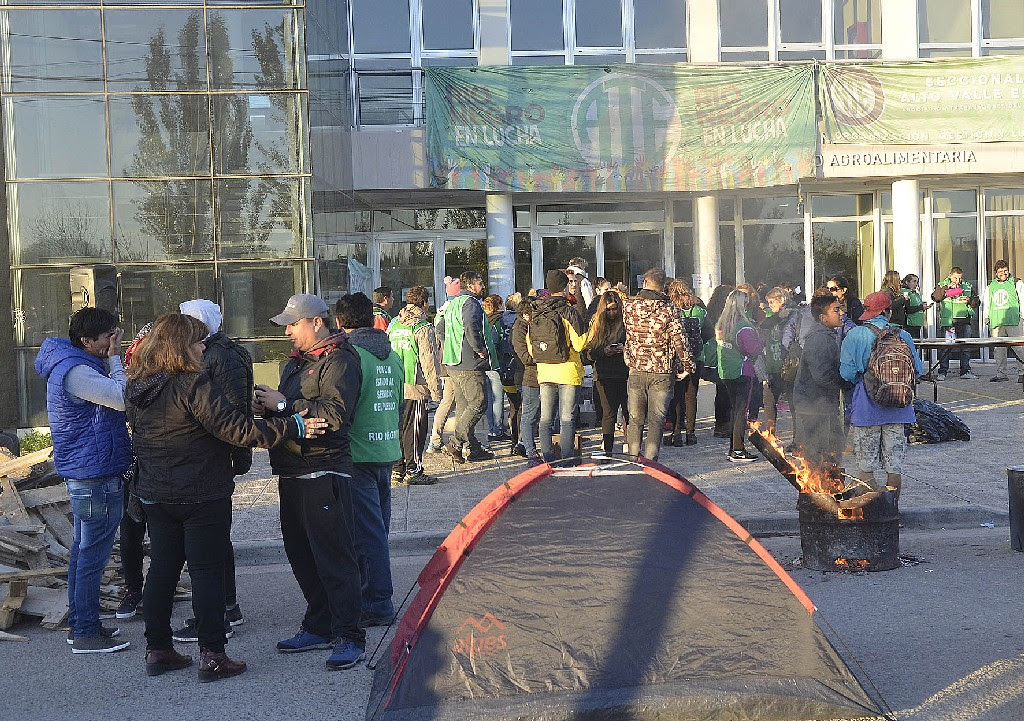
<point>547,336</point>
<point>691,331</point>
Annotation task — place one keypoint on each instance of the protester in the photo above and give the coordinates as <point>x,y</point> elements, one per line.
<point>1003,313</point>
<point>656,354</point>
<point>322,377</point>
<point>556,337</point>
<point>586,289</point>
<point>452,288</point>
<point>915,306</point>
<point>511,369</point>
<point>413,339</point>
<point>818,424</point>
<point>723,422</point>
<point>375,444</point>
<point>184,429</point>
<point>839,286</point>
<point>683,409</point>
<point>465,354</point>
<point>383,302</point>
<point>778,312</point>
<point>957,301</point>
<point>494,331</point>
<point>605,343</point>
<point>879,440</point>
<point>893,285</point>
<point>738,345</point>
<point>529,388</point>
<point>85,384</point>
<point>601,286</point>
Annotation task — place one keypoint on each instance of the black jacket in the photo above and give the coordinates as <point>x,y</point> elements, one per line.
<point>325,381</point>
<point>183,430</point>
<point>610,367</point>
<point>230,366</point>
<point>818,383</point>
<point>522,350</point>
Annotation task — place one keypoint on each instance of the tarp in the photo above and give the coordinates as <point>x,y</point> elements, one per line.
<point>619,127</point>
<point>959,100</point>
<point>609,593</point>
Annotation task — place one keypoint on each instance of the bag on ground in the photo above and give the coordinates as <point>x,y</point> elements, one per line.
<point>891,373</point>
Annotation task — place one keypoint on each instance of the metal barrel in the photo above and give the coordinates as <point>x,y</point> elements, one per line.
<point>857,534</point>
<point>1015,489</point>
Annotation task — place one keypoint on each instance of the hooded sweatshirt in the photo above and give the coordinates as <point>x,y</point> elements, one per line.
<point>374,432</point>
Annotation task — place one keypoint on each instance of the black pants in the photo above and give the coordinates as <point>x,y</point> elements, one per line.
<point>413,434</point>
<point>683,410</point>
<point>317,526</point>
<point>515,413</point>
<point>820,436</point>
<point>773,389</point>
<point>739,395</point>
<point>611,394</point>
<point>197,533</point>
<point>723,404</point>
<point>470,402</point>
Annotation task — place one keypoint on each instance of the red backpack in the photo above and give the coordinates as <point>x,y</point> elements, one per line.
<point>891,373</point>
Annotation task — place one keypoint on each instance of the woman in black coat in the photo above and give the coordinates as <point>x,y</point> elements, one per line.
<point>183,431</point>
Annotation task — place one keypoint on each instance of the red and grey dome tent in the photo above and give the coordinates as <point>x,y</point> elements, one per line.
<point>611,591</point>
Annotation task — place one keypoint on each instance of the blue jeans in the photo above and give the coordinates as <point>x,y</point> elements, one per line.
<point>563,397</point>
<point>371,509</point>
<point>495,403</point>
<point>647,397</point>
<point>963,330</point>
<point>530,417</point>
<point>97,505</point>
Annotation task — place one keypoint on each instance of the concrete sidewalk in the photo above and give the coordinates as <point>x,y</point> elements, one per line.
<point>947,485</point>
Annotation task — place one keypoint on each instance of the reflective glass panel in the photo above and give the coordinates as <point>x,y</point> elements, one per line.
<point>744,23</point>
<point>163,220</point>
<point>1001,19</point>
<point>629,254</point>
<point>682,211</point>
<point>1004,199</point>
<point>726,209</point>
<point>536,25</point>
<point>661,59</point>
<point>52,50</point>
<point>954,201</point>
<point>258,134</point>
<point>521,216</point>
<point>956,243</point>
<point>149,290</point>
<point>773,254</point>
<point>408,263</point>
<point>155,49</point>
<point>845,248</point>
<point>56,137</point>
<point>1005,236</point>
<point>380,26</point>
<point>727,242</point>
<point>751,56</point>
<point>255,49</point>
<point>267,358</point>
<point>659,23</point>
<point>155,135</point>
<point>539,60</point>
<point>255,293</point>
<point>650,212</point>
<point>857,22</point>
<point>34,388</point>
<point>801,55</point>
<point>261,218</point>
<point>685,256</point>
<point>944,21</point>
<point>838,206</point>
<point>343,268</point>
<point>599,59</point>
<point>559,249</point>
<point>45,303</point>
<point>599,23</point>
<point>447,24</point>
<point>858,54</point>
<point>524,262</point>
<point>386,99</point>
<point>800,21</point>
<point>61,222</point>
<point>463,255</point>
<point>783,208</point>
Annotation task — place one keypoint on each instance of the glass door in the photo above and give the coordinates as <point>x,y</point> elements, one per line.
<point>559,249</point>
<point>628,254</point>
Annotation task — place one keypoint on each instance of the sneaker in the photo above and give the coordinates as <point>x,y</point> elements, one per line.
<point>968,376</point>
<point>453,452</point>
<point>233,615</point>
<point>691,439</point>
<point>498,437</point>
<point>189,633</point>
<point>999,379</point>
<point>303,641</point>
<point>940,377</point>
<point>519,450</point>
<point>479,454</point>
<point>741,457</point>
<point>130,605</point>
<point>433,447</point>
<point>164,660</point>
<point>397,474</point>
<point>366,620</point>
<point>98,644</point>
<point>534,460</point>
<point>214,666</point>
<point>418,478</point>
<point>346,655</point>
<point>105,631</point>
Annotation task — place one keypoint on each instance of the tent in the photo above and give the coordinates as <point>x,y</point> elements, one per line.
<point>611,590</point>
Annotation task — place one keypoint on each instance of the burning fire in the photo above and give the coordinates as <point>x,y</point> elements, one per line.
<point>808,479</point>
<point>855,565</point>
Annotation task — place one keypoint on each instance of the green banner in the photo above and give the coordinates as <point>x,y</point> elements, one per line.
<point>963,100</point>
<point>619,127</point>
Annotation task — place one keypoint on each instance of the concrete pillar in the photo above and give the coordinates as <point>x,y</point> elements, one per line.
<point>708,272</point>
<point>704,37</point>
<point>906,226</point>
<point>899,30</point>
<point>493,32</point>
<point>501,262</point>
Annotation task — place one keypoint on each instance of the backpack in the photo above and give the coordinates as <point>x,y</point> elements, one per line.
<point>691,332</point>
<point>791,363</point>
<point>507,359</point>
<point>891,373</point>
<point>547,336</point>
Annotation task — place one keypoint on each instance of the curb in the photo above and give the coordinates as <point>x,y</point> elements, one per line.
<point>266,551</point>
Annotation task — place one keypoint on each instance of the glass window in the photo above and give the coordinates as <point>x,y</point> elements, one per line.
<point>944,21</point>
<point>726,209</point>
<point>408,263</point>
<point>682,211</point>
<point>1005,236</point>
<point>463,255</point>
<point>784,208</point>
<point>800,21</point>
<point>261,218</point>
<point>61,222</point>
<point>685,256</point>
<point>659,23</point>
<point>538,60</point>
<point>255,293</point>
<point>268,356</point>
<point>599,59</point>
<point>156,135</point>
<point>521,216</point>
<point>727,242</point>
<point>956,243</point>
<point>524,262</point>
<point>789,55</point>
<point>149,290</point>
<point>845,248</point>
<point>841,206</point>
<point>559,249</point>
<point>661,58</point>
<point>343,268</point>
<point>45,303</point>
<point>628,254</point>
<point>255,49</point>
<point>258,134</point>
<point>1004,199</point>
<point>380,26</point>
<point>448,25</point>
<point>52,50</point>
<point>163,220</point>
<point>858,22</point>
<point>744,23</point>
<point>751,56</point>
<point>386,99</point>
<point>536,24</point>
<point>585,214</point>
<point>955,201</point>
<point>1001,19</point>
<point>773,254</point>
<point>56,137</point>
<point>155,49</point>
<point>599,23</point>
<point>34,388</point>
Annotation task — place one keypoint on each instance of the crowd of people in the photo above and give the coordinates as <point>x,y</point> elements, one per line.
<point>153,445</point>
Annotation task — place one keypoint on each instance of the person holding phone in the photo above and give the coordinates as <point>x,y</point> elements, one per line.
<point>605,343</point>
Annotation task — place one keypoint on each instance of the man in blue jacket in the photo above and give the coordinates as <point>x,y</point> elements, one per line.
<point>85,384</point>
<point>879,442</point>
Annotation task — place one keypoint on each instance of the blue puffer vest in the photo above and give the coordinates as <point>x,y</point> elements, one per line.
<point>89,440</point>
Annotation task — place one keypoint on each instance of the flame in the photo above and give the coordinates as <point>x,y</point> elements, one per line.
<point>855,565</point>
<point>810,480</point>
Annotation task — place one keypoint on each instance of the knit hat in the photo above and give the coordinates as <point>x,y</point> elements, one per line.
<point>556,281</point>
<point>452,286</point>
<point>876,303</point>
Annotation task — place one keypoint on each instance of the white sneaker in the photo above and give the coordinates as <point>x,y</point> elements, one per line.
<point>940,377</point>
<point>968,376</point>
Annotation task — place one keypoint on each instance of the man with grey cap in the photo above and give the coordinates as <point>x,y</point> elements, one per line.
<point>322,377</point>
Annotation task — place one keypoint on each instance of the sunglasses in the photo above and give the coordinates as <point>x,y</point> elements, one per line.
<point>832,288</point>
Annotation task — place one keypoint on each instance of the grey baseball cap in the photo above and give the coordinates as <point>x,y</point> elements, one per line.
<point>301,305</point>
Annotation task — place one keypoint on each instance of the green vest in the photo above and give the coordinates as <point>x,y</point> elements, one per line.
<point>1003,303</point>
<point>374,432</point>
<point>916,319</point>
<point>955,308</point>
<point>454,331</point>
<point>773,353</point>
<point>491,341</point>
<point>730,360</point>
<point>403,342</point>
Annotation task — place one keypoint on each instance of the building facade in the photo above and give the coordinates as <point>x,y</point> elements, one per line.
<point>246,150</point>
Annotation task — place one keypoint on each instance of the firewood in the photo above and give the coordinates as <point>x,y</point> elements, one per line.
<point>58,571</point>
<point>58,524</point>
<point>11,504</point>
<point>14,600</point>
<point>27,461</point>
<point>4,636</point>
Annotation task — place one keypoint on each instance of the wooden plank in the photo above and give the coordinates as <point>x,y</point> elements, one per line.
<point>58,571</point>
<point>10,499</point>
<point>11,539</point>
<point>32,529</point>
<point>26,461</point>
<point>14,600</point>
<point>58,524</point>
<point>4,636</point>
<point>47,496</point>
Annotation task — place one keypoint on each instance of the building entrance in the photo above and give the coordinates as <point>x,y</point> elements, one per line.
<point>628,254</point>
